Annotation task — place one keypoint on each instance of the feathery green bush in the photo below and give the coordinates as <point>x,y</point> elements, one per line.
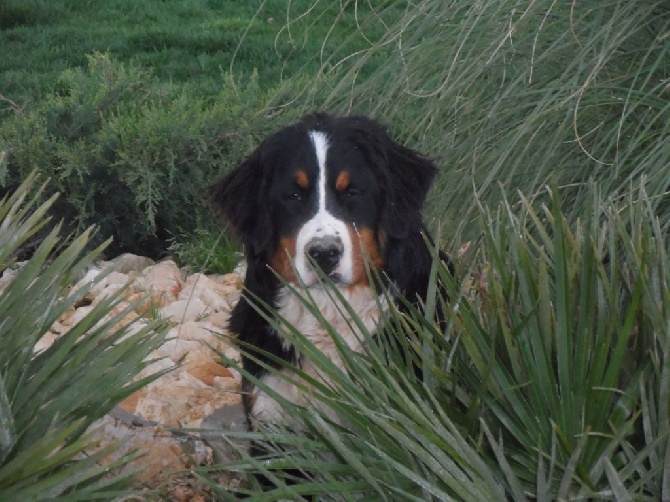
<point>128,154</point>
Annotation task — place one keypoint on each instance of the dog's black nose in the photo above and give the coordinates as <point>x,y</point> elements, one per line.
<point>326,252</point>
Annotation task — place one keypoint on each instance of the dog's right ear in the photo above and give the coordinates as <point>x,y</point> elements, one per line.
<point>239,196</point>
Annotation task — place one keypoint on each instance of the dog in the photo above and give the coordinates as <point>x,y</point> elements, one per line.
<point>329,197</point>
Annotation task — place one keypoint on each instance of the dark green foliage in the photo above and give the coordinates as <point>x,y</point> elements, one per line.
<point>128,154</point>
<point>19,13</point>
<point>207,252</point>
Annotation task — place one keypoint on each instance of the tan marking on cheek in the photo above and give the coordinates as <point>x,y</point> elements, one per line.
<point>365,247</point>
<point>301,179</point>
<point>342,181</point>
<point>371,247</point>
<point>282,261</point>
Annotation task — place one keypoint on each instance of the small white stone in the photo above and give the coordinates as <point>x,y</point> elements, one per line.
<point>156,366</point>
<point>129,262</point>
<point>162,281</point>
<point>202,287</point>
<point>177,349</point>
<point>184,310</point>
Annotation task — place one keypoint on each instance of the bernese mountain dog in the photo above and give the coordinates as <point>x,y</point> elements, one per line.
<point>325,197</point>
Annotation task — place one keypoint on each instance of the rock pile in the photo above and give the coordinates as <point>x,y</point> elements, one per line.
<point>196,387</point>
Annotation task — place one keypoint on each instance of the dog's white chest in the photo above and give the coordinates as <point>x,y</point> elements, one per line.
<point>366,306</point>
<point>362,301</point>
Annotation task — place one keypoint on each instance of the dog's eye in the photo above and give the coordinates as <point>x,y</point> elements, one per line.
<point>352,192</point>
<point>294,196</point>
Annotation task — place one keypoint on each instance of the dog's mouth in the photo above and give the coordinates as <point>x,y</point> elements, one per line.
<point>318,280</point>
<point>336,278</point>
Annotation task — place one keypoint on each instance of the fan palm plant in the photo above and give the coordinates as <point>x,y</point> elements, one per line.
<point>49,398</point>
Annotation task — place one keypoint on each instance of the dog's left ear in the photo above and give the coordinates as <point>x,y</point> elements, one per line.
<point>407,176</point>
<point>239,197</point>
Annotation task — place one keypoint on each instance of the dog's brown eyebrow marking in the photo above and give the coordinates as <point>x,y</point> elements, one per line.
<point>342,181</point>
<point>301,179</point>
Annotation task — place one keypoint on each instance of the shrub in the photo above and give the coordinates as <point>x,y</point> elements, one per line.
<point>49,398</point>
<point>207,252</point>
<point>127,154</point>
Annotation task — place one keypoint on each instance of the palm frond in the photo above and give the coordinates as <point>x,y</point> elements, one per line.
<point>49,398</point>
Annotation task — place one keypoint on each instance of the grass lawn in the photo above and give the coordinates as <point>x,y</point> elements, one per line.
<point>193,43</point>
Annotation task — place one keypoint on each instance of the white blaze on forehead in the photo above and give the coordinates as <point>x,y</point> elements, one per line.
<point>323,223</point>
<point>320,142</point>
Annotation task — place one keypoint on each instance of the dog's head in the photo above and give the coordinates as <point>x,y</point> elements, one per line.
<point>326,192</point>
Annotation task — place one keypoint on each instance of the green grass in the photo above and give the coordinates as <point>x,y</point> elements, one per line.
<point>193,44</point>
<point>190,43</point>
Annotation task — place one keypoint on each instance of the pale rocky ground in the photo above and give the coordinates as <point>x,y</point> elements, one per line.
<point>198,392</point>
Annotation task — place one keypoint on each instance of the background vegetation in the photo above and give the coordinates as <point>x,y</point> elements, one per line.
<point>507,95</point>
<point>550,380</point>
